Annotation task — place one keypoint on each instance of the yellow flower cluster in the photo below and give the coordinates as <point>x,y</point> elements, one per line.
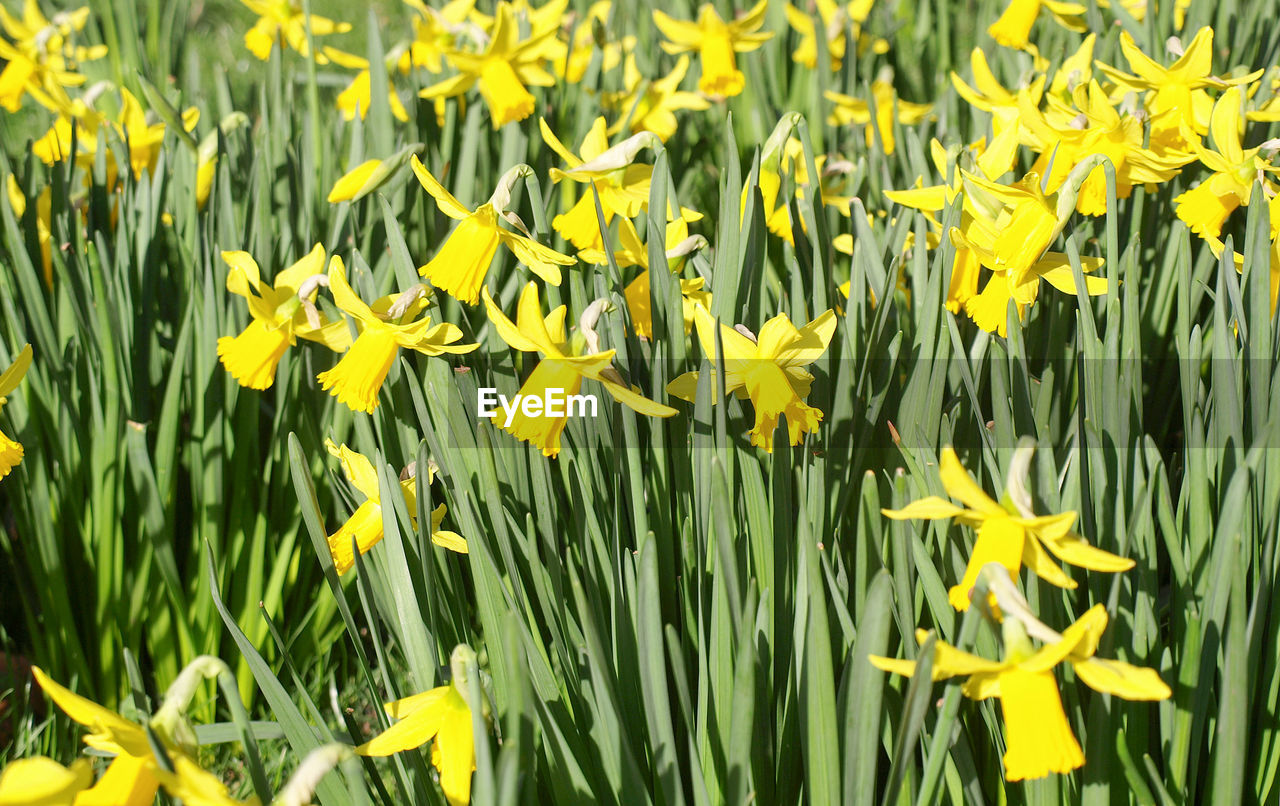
<point>1038,738</point>
<point>1150,123</point>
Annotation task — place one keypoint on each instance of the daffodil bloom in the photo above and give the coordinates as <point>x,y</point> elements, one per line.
<point>888,107</point>
<point>1205,207</point>
<point>1178,101</point>
<point>463,261</point>
<point>285,22</point>
<point>502,72</point>
<point>650,106</point>
<point>1095,127</point>
<point>440,716</point>
<point>44,221</point>
<point>365,524</point>
<point>833,31</point>
<point>1007,229</point>
<point>130,778</point>
<point>358,95</point>
<point>1013,27</point>
<point>41,61</point>
<point>10,449</point>
<point>1010,535</point>
<point>1038,737</point>
<point>634,253</point>
<point>386,327</point>
<point>40,781</point>
<point>623,188</point>
<point>717,42</point>
<point>143,136</point>
<point>280,314</point>
<point>768,370</point>
<point>566,363</point>
<point>134,775</point>
<point>435,34</point>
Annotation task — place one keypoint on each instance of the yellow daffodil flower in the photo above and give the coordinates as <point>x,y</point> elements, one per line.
<point>768,370</point>
<point>440,716</point>
<point>435,34</point>
<point>44,220</point>
<point>1008,229</point>
<point>1095,127</point>
<point>358,95</point>
<point>461,263</point>
<point>623,188</point>
<point>566,362</point>
<point>650,106</point>
<point>1010,535</point>
<point>40,60</point>
<point>10,449</point>
<point>134,775</point>
<point>717,42</point>
<point>143,136</point>
<point>635,253</point>
<point>833,18</point>
<point>1013,27</point>
<point>280,314</point>
<point>365,524</point>
<point>1038,737</point>
<point>369,175</point>
<point>130,778</point>
<point>40,781</point>
<point>386,327</point>
<point>888,107</point>
<point>1178,101</point>
<point>283,21</point>
<point>502,71</point>
<point>1205,207</point>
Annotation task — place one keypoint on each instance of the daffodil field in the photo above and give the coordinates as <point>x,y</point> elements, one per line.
<point>496,402</point>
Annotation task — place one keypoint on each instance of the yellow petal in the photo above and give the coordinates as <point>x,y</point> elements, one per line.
<point>12,376</point>
<point>129,781</point>
<point>456,743</point>
<point>41,781</point>
<point>448,204</point>
<point>635,401</point>
<point>929,508</point>
<point>960,485</point>
<point>1074,549</point>
<point>357,468</point>
<point>109,731</point>
<point>352,182</point>
<point>1122,679</point>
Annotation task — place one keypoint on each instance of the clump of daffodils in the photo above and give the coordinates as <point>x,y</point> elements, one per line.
<point>1038,738</point>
